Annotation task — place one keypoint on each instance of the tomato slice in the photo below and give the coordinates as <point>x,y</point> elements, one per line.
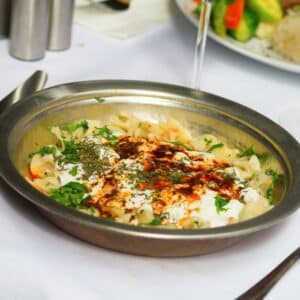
<point>32,176</point>
<point>234,14</point>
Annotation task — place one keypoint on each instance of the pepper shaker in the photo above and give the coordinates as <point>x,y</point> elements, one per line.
<point>60,28</point>
<point>5,7</point>
<point>29,29</point>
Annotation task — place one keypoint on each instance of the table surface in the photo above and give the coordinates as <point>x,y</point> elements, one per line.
<point>39,261</point>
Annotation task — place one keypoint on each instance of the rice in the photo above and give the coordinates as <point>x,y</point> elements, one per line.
<point>286,39</point>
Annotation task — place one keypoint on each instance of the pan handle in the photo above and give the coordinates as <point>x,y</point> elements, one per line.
<point>33,84</point>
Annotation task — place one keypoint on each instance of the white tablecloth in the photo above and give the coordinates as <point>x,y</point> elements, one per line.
<point>39,261</point>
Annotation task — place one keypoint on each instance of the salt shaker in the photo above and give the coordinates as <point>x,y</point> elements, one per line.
<point>29,28</point>
<point>5,7</point>
<point>60,26</point>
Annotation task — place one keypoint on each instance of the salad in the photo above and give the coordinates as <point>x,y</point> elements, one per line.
<point>273,20</point>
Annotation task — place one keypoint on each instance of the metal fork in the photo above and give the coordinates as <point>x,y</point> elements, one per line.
<point>260,289</point>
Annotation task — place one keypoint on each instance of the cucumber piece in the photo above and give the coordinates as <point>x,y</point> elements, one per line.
<point>267,10</point>
<point>219,8</point>
<point>247,27</point>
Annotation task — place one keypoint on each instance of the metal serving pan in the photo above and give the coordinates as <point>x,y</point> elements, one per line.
<point>24,128</point>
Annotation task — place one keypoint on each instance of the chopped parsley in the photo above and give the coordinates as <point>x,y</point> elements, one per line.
<point>71,127</point>
<point>197,223</point>
<point>276,179</point>
<point>106,133</point>
<point>71,152</point>
<point>207,141</point>
<point>220,204</point>
<point>262,157</point>
<point>72,194</point>
<point>74,171</point>
<point>247,153</point>
<point>178,143</point>
<point>215,146</point>
<point>269,194</point>
<point>156,221</point>
<point>250,151</point>
<point>99,99</point>
<point>45,151</point>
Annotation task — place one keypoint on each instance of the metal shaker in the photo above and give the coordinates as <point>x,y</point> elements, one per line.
<point>29,29</point>
<point>60,27</point>
<point>5,7</point>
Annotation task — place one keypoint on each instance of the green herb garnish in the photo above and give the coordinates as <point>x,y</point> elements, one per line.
<point>276,179</point>
<point>45,151</point>
<point>99,99</point>
<point>71,127</point>
<point>250,151</point>
<point>247,153</point>
<point>215,146</point>
<point>71,152</point>
<point>262,157</point>
<point>220,204</point>
<point>156,221</point>
<point>178,143</point>
<point>106,133</point>
<point>197,224</point>
<point>207,141</point>
<point>269,194</point>
<point>74,171</point>
<point>72,194</point>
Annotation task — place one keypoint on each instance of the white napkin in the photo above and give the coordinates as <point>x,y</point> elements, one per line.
<point>140,17</point>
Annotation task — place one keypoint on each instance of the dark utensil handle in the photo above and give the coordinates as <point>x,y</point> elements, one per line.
<point>260,290</point>
<point>33,84</point>
<point>117,4</point>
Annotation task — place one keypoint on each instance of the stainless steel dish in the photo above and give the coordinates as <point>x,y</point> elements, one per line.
<point>23,129</point>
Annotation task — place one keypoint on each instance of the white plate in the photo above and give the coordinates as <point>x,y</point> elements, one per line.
<point>255,48</point>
